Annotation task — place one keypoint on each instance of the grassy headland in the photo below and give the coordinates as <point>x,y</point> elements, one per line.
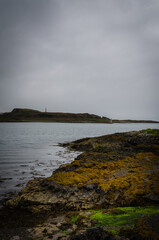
<point>30,115</point>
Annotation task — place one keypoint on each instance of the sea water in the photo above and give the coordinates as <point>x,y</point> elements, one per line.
<point>30,150</point>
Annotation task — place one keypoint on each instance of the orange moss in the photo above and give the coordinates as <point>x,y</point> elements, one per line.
<point>135,175</point>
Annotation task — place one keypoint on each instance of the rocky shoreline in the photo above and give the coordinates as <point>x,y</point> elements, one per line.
<point>115,179</point>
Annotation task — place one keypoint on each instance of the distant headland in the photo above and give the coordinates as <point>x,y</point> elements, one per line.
<point>30,115</point>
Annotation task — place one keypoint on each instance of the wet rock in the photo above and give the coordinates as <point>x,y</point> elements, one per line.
<point>44,231</point>
<point>38,196</point>
<point>120,176</point>
<point>93,234</point>
<point>60,219</point>
<point>89,187</point>
<point>152,197</point>
<point>147,227</point>
<point>84,222</point>
<point>128,234</point>
<point>15,234</point>
<point>89,213</point>
<point>58,236</point>
<point>15,238</point>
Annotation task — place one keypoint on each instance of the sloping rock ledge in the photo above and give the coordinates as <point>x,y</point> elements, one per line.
<point>115,170</point>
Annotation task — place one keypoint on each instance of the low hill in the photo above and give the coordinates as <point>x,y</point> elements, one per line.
<point>29,115</point>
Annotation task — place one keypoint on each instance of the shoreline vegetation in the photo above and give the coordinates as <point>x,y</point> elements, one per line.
<point>110,191</point>
<point>30,115</point>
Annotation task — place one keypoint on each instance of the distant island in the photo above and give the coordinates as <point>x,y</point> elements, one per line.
<point>30,115</point>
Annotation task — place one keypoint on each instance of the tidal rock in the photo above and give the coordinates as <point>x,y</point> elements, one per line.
<point>148,227</point>
<point>94,234</point>
<point>106,174</point>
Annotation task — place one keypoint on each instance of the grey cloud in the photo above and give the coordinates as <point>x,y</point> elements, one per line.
<point>80,56</point>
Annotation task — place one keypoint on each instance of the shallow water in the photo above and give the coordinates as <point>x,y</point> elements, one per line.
<point>29,150</point>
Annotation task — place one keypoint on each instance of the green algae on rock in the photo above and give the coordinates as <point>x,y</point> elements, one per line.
<point>122,216</point>
<point>154,132</point>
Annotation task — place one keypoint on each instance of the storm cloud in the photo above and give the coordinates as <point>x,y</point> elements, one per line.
<point>96,56</point>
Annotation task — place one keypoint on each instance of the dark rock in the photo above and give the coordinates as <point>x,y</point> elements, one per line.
<point>128,234</point>
<point>147,227</point>
<point>94,234</point>
<point>92,186</point>
<point>53,186</point>
<point>152,197</point>
<point>15,234</point>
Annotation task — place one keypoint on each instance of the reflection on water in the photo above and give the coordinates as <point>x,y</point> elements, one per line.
<point>29,150</point>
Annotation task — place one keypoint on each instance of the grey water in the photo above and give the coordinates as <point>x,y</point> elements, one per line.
<point>30,150</point>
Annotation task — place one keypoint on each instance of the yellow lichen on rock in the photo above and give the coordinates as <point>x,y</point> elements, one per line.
<point>131,176</point>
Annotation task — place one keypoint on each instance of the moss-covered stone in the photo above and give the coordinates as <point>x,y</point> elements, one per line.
<point>154,132</point>
<point>123,216</point>
<point>127,173</point>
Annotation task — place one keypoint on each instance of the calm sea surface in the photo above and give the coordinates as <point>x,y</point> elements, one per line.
<point>29,150</point>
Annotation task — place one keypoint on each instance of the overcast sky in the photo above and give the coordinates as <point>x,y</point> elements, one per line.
<point>95,56</point>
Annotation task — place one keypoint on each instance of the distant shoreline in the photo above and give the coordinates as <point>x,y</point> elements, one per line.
<point>29,115</point>
<point>121,122</point>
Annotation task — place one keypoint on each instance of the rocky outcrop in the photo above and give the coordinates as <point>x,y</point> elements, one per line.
<point>115,170</point>
<point>44,195</point>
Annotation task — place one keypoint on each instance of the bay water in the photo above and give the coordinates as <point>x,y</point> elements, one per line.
<point>30,150</point>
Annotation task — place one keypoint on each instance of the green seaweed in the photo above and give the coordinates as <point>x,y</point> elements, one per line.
<point>154,132</point>
<point>66,232</point>
<point>113,231</point>
<point>140,210</point>
<point>127,216</point>
<point>74,219</point>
